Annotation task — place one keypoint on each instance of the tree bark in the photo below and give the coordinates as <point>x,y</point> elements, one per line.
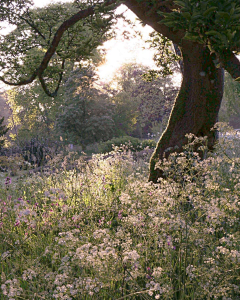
<point>196,107</point>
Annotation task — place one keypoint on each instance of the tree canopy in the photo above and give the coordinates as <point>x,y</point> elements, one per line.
<point>44,38</point>
<point>86,114</point>
<point>141,105</point>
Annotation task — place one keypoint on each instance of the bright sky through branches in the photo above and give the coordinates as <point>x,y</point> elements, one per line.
<point>120,51</point>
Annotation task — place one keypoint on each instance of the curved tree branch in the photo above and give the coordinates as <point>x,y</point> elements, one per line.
<point>64,26</point>
<point>22,82</point>
<point>54,44</point>
<point>44,85</point>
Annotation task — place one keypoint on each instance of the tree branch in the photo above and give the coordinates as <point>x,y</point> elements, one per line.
<point>22,82</point>
<point>44,85</point>
<point>54,44</point>
<point>33,27</point>
<point>141,9</point>
<point>65,25</point>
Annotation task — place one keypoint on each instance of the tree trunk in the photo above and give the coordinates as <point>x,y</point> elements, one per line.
<point>196,106</point>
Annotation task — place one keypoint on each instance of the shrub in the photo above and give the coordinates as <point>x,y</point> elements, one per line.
<point>11,164</point>
<point>35,152</point>
<point>4,163</point>
<point>3,131</point>
<point>134,144</point>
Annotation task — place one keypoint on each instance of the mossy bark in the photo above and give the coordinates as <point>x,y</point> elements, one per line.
<point>196,107</point>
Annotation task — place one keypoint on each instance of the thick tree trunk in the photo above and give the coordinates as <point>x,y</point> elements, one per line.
<point>196,106</point>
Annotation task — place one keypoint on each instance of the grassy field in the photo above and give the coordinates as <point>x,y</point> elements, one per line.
<point>101,231</point>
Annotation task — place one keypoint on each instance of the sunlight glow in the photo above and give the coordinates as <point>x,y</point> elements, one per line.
<point>122,52</point>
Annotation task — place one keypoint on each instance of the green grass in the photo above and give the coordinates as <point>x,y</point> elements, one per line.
<point>101,231</point>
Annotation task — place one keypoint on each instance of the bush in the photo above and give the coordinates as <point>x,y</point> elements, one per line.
<point>134,144</point>
<point>3,131</point>
<point>36,152</point>
<point>11,164</point>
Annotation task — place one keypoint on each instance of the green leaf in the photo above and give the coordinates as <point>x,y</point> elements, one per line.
<point>169,24</point>
<point>224,15</point>
<point>237,10</point>
<point>209,11</point>
<point>181,3</point>
<point>195,17</point>
<point>187,15</point>
<point>191,36</point>
<point>232,11</point>
<point>214,33</point>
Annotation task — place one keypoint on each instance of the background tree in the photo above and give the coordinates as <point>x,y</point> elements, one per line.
<point>230,108</point>
<point>33,114</point>
<point>86,115</point>
<point>207,33</point>
<point>141,105</point>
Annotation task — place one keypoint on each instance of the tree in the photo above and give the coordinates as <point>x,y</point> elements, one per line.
<point>33,114</point>
<point>140,104</point>
<point>86,114</point>
<point>207,33</point>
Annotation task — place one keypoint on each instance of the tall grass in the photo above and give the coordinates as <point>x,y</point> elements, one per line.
<point>101,231</point>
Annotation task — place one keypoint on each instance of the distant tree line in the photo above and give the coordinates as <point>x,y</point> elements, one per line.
<point>87,111</point>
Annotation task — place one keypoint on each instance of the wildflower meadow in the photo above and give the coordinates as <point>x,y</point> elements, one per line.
<point>100,230</point>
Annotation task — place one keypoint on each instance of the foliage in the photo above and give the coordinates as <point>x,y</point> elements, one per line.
<point>100,231</point>
<point>165,56</point>
<point>3,131</point>
<point>34,31</point>
<point>12,164</point>
<point>82,114</point>
<point>33,114</point>
<point>230,108</point>
<point>140,104</point>
<point>133,144</point>
<point>211,22</point>
<point>36,152</point>
<point>86,115</point>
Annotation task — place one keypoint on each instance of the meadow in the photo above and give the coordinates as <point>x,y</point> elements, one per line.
<point>100,230</point>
